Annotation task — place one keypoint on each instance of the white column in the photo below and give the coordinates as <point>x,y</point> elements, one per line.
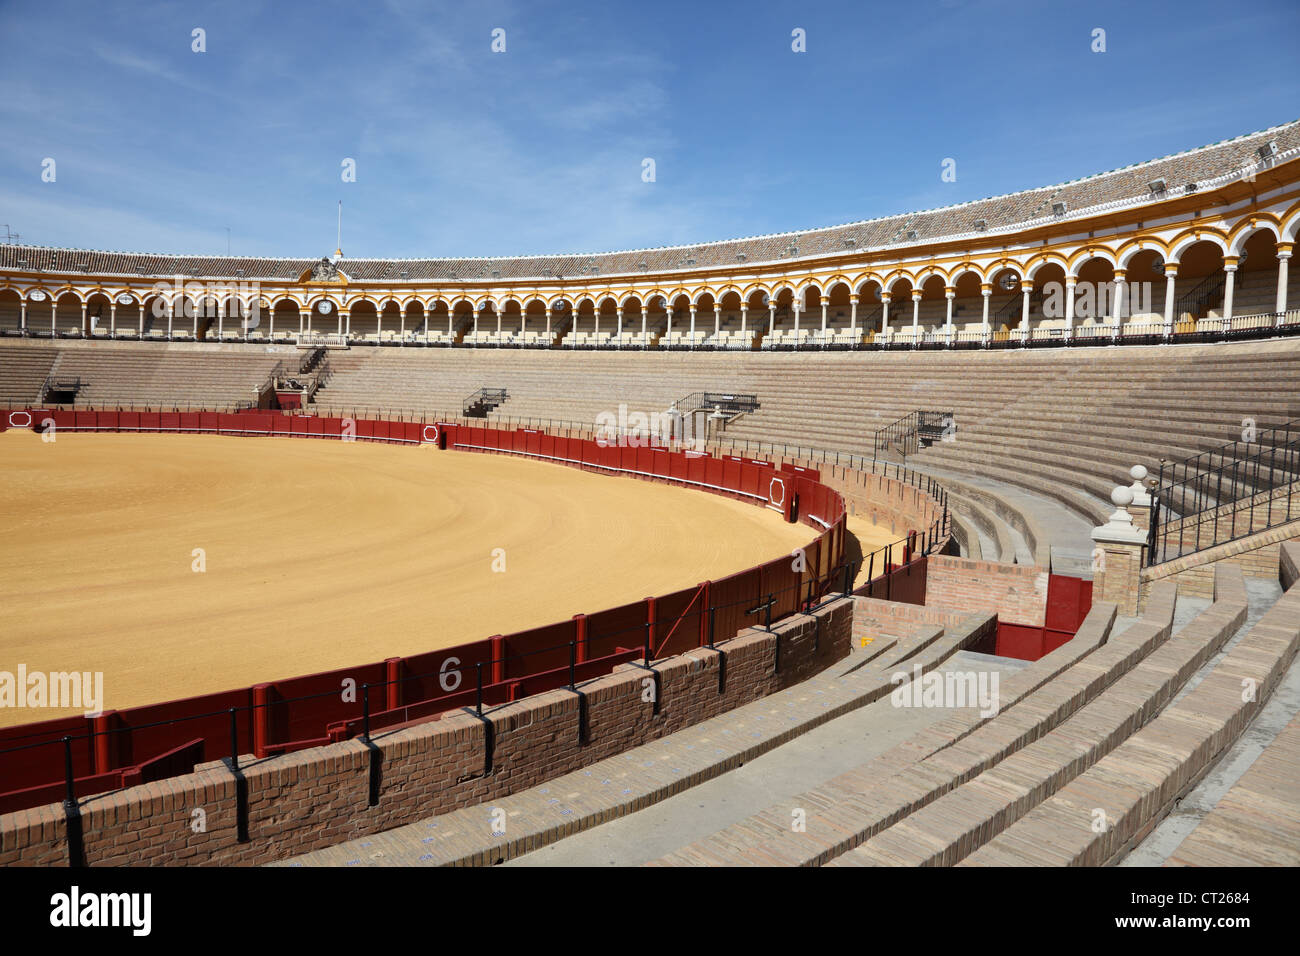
<point>668,328</point>
<point>548,320</point>
<point>692,325</point>
<point>83,320</point>
<point>1283,256</point>
<point>451,330</point>
<point>1117,307</point>
<point>22,315</point>
<point>54,309</point>
<point>347,322</point>
<point>618,331</point>
<point>795,306</point>
<point>916,318</point>
<point>744,309</point>
<point>597,325</point>
<point>112,319</point>
<point>171,314</point>
<point>884,313</point>
<point>771,318</point>
<point>1171,278</point>
<point>1026,290</point>
<point>498,312</point>
<point>401,328</point>
<point>1231,269</point>
<point>310,313</point>
<point>950,295</point>
<point>823,313</point>
<point>270,332</point>
<point>986,292</point>
<point>853,315</point>
<point>140,330</point>
<point>476,327</point>
<point>1070,283</point>
<point>717,323</point>
<point>379,324</point>
<point>644,317</point>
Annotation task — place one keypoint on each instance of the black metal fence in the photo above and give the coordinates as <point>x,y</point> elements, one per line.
<point>1218,496</point>
<point>912,432</point>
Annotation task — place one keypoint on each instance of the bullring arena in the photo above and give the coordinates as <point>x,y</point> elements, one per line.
<point>1046,443</point>
<point>358,552</point>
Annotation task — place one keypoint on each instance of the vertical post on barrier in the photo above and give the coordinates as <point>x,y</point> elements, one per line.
<point>478,687</point>
<point>573,664</point>
<point>767,614</point>
<point>498,645</point>
<point>393,684</point>
<point>234,740</point>
<point>261,719</point>
<point>99,728</point>
<point>365,712</point>
<point>70,792</point>
<point>580,634</point>
<point>848,577</point>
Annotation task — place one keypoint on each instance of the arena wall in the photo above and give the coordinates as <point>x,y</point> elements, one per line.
<point>293,803</point>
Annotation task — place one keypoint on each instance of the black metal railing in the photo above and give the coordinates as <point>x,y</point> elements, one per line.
<point>914,431</point>
<point>483,401</point>
<point>729,402</point>
<point>1203,297</point>
<point>1239,489</point>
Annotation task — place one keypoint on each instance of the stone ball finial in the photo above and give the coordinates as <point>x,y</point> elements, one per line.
<point>1121,496</point>
<point>1137,472</point>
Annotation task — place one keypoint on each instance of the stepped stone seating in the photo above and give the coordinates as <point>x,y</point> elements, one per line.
<point>120,374</point>
<point>22,373</point>
<point>1257,822</point>
<point>1048,694</point>
<point>946,830</point>
<point>1137,783</point>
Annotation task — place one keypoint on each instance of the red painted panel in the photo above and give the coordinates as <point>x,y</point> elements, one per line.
<point>446,671</point>
<point>208,421</point>
<point>697,468</point>
<point>190,421</point>
<point>106,421</point>
<point>731,472</point>
<point>714,472</point>
<point>315,426</point>
<point>130,421</point>
<point>167,421</point>
<point>150,421</point>
<point>414,431</point>
<point>618,627</point>
<point>301,425</point>
<point>84,421</point>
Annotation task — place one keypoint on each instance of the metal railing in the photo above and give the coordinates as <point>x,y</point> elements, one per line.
<point>912,432</point>
<point>1230,492</point>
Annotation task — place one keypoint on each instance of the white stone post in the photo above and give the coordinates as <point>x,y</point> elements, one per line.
<point>1118,305</point>
<point>1171,279</point>
<point>1283,257</point>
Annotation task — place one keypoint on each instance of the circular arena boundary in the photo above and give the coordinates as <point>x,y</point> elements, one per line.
<point>72,757</point>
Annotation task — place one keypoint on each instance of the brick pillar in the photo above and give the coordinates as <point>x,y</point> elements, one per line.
<point>1117,557</point>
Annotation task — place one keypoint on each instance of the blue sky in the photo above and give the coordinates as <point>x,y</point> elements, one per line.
<point>462,151</point>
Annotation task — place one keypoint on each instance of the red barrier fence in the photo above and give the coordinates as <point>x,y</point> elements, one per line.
<point>120,748</point>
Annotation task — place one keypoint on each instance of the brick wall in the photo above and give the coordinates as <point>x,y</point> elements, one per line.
<point>874,617</point>
<point>298,802</point>
<point>1017,593</point>
<point>1256,555</point>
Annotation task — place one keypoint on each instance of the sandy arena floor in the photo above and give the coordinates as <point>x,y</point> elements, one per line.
<point>322,554</point>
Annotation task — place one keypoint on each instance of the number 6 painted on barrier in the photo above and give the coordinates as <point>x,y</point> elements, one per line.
<point>449,680</point>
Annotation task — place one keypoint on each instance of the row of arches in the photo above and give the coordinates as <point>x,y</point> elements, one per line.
<point>1143,276</point>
